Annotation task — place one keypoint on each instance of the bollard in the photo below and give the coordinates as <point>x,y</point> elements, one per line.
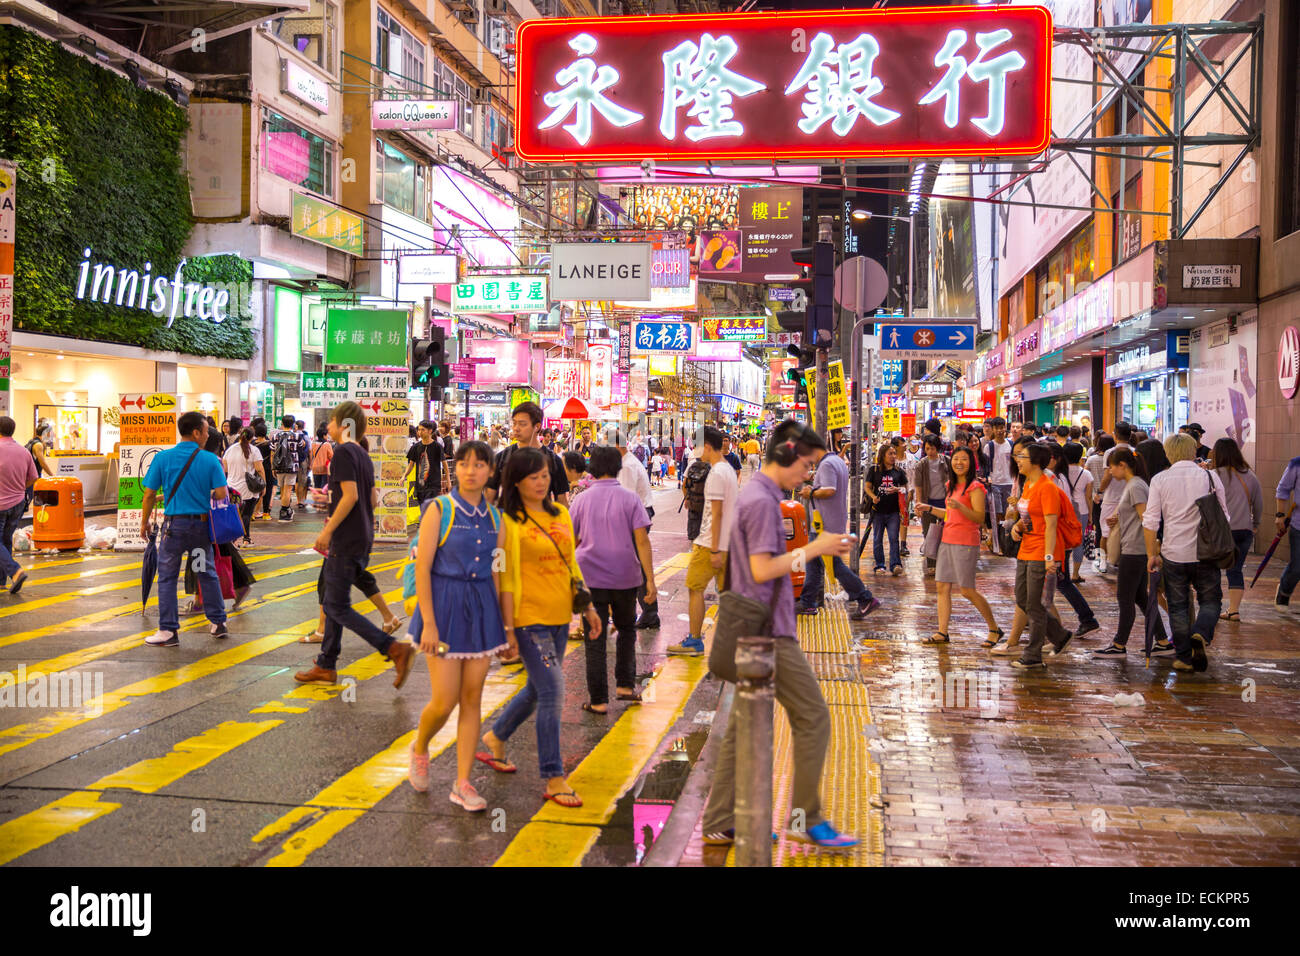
<point>754,702</point>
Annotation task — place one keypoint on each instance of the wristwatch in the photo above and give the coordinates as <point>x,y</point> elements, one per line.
<point>1049,557</point>
<point>1281,514</point>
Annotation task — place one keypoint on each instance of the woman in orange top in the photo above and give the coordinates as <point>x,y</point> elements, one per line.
<point>1040,508</point>
<point>959,549</point>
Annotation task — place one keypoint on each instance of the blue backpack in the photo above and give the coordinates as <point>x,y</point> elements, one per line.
<point>446,515</point>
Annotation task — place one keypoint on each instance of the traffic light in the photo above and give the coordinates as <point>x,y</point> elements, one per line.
<point>820,258</point>
<point>429,362</point>
<point>799,376</point>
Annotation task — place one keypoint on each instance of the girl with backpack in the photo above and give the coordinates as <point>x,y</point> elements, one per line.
<point>322,451</point>
<point>457,623</point>
<point>1037,530</point>
<point>1069,518</point>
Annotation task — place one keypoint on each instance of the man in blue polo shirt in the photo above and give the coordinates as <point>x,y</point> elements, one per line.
<point>190,479</point>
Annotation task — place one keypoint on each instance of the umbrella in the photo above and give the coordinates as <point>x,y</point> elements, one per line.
<point>572,407</point>
<point>1267,554</point>
<point>1153,621</point>
<point>149,569</point>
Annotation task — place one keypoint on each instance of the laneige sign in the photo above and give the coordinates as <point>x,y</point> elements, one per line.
<point>601,270</point>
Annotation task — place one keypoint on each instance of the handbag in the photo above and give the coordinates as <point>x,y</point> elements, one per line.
<point>224,523</point>
<point>253,481</point>
<point>1114,548</point>
<point>1214,536</point>
<point>581,596</point>
<point>225,574</point>
<point>738,616</point>
<point>933,537</point>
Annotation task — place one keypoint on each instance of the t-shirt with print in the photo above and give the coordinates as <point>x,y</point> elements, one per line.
<point>546,590</point>
<point>428,468</point>
<point>559,477</point>
<point>1040,501</point>
<point>1131,539</point>
<point>356,533</point>
<point>760,529</point>
<point>887,485</point>
<point>721,485</point>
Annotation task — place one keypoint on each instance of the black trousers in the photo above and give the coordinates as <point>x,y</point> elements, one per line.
<point>621,605</point>
<point>340,573</point>
<point>652,609</point>
<point>246,506</point>
<point>1131,591</point>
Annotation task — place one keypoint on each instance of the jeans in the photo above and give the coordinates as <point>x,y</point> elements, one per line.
<point>1131,590</point>
<point>1070,591</point>
<point>1031,577</point>
<point>1243,539</point>
<point>542,648</point>
<point>182,536</point>
<point>1291,573</point>
<point>814,583</point>
<point>621,604</point>
<point>1179,581</point>
<point>9,519</point>
<point>880,524</point>
<point>340,572</point>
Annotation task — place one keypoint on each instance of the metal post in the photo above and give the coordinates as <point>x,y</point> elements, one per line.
<point>911,264</point>
<point>856,423</point>
<point>754,703</point>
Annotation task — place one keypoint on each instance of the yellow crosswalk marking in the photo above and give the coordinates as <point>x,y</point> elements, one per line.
<point>82,575</point>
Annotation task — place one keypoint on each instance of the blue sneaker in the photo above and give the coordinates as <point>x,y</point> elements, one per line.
<point>691,647</point>
<point>824,835</point>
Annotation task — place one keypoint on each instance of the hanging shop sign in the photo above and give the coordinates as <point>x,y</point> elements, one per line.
<point>749,328</point>
<point>566,377</point>
<point>618,388</point>
<point>370,386</point>
<point>304,86</point>
<point>662,365</point>
<point>388,423</point>
<point>413,114</point>
<point>957,81</point>
<point>500,293</point>
<point>1288,362</point>
<point>147,425</point>
<point>427,269</point>
<point>670,269</point>
<point>162,295</point>
<point>327,224</point>
<point>600,271</point>
<point>500,360</point>
<point>625,347</point>
<point>907,425</point>
<point>719,252</point>
<point>375,338</point>
<point>932,389</point>
<point>717,352</point>
<point>8,185</point>
<point>323,389</point>
<point>660,336</point>
<point>601,358</point>
<point>771,222</point>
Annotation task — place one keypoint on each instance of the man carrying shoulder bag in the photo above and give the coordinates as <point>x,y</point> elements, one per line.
<point>760,601</point>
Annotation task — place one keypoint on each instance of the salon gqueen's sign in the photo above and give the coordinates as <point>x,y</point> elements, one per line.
<point>413,114</point>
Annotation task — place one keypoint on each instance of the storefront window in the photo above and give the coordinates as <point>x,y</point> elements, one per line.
<point>402,182</point>
<point>311,33</point>
<point>1071,264</point>
<point>297,155</point>
<point>397,51</point>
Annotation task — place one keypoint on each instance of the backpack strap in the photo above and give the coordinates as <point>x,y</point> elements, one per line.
<point>496,517</point>
<point>446,516</point>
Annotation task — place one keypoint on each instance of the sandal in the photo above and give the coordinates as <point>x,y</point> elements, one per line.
<point>1009,650</point>
<point>590,708</point>
<point>633,698</point>
<point>392,627</point>
<point>499,764</point>
<point>315,637</point>
<point>1233,616</point>
<point>992,641</point>
<point>566,799</point>
<point>938,637</point>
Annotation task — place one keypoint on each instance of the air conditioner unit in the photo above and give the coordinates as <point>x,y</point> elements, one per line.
<point>496,37</point>
<point>480,96</point>
<point>494,8</point>
<point>469,16</point>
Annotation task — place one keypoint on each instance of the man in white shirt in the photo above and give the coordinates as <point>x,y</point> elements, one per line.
<point>996,461</point>
<point>709,550</point>
<point>636,479</point>
<point>1172,499</point>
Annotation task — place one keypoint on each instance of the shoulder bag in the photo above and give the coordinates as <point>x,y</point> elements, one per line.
<point>581,596</point>
<point>1214,536</point>
<point>739,616</point>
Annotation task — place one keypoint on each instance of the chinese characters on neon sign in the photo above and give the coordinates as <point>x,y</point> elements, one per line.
<point>950,81</point>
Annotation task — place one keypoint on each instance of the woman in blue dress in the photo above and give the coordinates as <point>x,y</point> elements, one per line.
<point>457,622</point>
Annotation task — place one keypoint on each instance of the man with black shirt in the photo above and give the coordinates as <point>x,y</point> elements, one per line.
<point>1196,431</point>
<point>526,424</point>
<point>346,541</point>
<point>427,459</point>
<point>284,462</point>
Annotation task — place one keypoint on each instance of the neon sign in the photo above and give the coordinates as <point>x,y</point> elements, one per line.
<point>955,81</point>
<point>156,294</point>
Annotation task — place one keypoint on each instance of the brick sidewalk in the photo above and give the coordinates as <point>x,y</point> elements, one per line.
<point>979,764</point>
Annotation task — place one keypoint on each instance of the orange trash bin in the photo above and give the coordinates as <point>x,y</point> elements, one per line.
<point>58,514</point>
<point>795,518</point>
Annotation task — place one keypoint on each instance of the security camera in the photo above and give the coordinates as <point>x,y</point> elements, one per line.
<point>647,169</point>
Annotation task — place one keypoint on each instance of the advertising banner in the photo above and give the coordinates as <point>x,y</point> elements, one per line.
<point>147,425</point>
<point>837,398</point>
<point>683,208</point>
<point>388,423</point>
<point>501,293</point>
<point>500,360</point>
<point>327,224</point>
<point>1221,385</point>
<point>719,252</point>
<point>8,187</point>
<point>413,114</point>
<point>736,86</point>
<point>670,269</point>
<point>323,389</point>
<point>600,271</point>
<point>375,338</point>
<point>565,378</point>
<point>601,357</point>
<point>748,328</point>
<point>771,220</point>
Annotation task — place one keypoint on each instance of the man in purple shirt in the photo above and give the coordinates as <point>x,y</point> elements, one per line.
<point>759,568</point>
<point>17,474</point>
<point>614,554</point>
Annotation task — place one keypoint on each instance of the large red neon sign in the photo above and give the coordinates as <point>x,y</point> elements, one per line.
<point>943,81</point>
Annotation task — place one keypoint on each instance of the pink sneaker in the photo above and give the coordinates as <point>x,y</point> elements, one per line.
<point>466,796</point>
<point>419,775</point>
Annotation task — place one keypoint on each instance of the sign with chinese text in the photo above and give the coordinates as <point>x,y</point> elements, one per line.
<point>771,221</point>
<point>501,293</point>
<point>602,271</point>
<point>657,336</point>
<point>601,357</point>
<point>956,81</point>
<point>565,378</point>
<point>837,398</point>
<point>8,186</point>
<point>500,360</point>
<point>618,388</point>
<point>368,385</point>
<point>891,420</point>
<point>147,425</point>
<point>938,341</point>
<point>932,389</point>
<point>388,422</point>
<point>625,347</point>
<point>327,224</point>
<point>748,328</point>
<point>323,389</point>
<point>907,425</point>
<point>375,338</point>
<point>464,374</point>
<point>716,352</point>
<point>1212,277</point>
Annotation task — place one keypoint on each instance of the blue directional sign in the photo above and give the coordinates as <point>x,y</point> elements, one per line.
<point>934,341</point>
<point>662,336</point>
<point>891,374</point>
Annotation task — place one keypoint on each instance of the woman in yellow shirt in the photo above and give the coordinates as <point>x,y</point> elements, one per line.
<point>537,607</point>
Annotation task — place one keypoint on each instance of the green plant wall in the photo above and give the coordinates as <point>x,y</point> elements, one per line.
<point>99,166</point>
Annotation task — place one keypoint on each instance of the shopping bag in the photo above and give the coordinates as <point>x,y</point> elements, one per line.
<point>224,523</point>
<point>934,535</point>
<point>225,574</point>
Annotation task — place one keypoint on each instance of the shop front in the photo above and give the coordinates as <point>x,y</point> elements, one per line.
<point>1151,382</point>
<point>1062,398</point>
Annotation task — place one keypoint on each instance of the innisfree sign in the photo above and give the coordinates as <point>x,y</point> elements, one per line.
<point>159,294</point>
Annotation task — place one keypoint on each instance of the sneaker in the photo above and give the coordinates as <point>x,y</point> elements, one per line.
<point>863,609</point>
<point>286,514</point>
<point>1053,650</point>
<point>1087,628</point>
<point>1182,665</point>
<point>649,622</point>
<point>1029,665</point>
<point>803,611</point>
<point>219,631</point>
<point>878,569</point>
<point>824,835</point>
<point>419,772</point>
<point>897,570</point>
<point>1162,649</point>
<point>163,639</point>
<point>1281,601</point>
<point>466,796</point>
<point>691,647</point>
<point>1200,661</point>
<point>1111,650</point>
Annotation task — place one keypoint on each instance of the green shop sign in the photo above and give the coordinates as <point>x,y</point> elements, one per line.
<point>517,293</point>
<point>327,224</point>
<point>375,338</point>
